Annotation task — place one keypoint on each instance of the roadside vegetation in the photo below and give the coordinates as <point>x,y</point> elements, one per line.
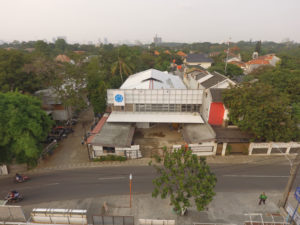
<point>267,105</point>
<point>183,177</point>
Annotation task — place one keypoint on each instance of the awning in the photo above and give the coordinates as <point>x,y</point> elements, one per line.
<point>155,117</point>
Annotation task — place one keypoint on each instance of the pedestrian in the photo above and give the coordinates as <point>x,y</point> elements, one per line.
<point>262,198</point>
<point>82,141</point>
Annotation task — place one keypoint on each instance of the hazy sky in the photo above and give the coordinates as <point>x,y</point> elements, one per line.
<point>173,20</point>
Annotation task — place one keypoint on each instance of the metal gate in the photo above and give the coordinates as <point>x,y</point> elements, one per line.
<point>113,220</point>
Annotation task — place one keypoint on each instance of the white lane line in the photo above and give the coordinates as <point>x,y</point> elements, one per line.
<point>254,176</point>
<point>51,184</point>
<point>110,178</point>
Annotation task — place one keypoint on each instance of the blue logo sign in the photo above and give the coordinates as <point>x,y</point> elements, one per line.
<point>119,98</point>
<point>297,194</point>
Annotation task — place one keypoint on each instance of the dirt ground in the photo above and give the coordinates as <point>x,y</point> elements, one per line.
<point>153,139</point>
<point>70,150</point>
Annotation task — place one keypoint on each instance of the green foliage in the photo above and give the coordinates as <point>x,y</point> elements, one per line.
<point>13,76</point>
<point>232,70</point>
<point>262,110</point>
<point>23,125</point>
<point>183,177</point>
<point>228,149</point>
<point>110,158</point>
<point>258,47</point>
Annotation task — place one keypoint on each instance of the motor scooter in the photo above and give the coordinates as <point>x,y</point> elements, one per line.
<point>22,179</point>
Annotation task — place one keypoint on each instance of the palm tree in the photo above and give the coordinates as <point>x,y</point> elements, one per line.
<point>121,66</point>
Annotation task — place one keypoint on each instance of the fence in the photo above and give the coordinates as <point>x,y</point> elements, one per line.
<point>11,213</point>
<point>265,219</point>
<point>156,222</point>
<point>202,149</point>
<point>49,149</point>
<point>113,220</point>
<point>268,148</point>
<point>60,216</point>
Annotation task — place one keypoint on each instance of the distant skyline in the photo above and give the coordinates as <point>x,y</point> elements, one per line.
<point>187,21</point>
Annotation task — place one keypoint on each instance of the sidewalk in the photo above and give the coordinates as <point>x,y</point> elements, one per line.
<point>226,207</point>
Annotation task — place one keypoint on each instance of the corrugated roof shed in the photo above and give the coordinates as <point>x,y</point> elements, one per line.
<point>215,79</point>
<point>153,79</point>
<point>194,58</point>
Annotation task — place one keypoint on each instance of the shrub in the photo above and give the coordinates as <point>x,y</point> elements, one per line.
<point>110,158</point>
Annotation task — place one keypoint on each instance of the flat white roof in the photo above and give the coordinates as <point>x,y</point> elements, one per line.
<point>155,117</point>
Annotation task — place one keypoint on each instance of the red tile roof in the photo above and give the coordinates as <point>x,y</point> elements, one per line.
<point>258,62</point>
<point>181,53</point>
<point>97,129</point>
<point>62,58</point>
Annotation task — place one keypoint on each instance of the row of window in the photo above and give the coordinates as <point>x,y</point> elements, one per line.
<point>167,108</point>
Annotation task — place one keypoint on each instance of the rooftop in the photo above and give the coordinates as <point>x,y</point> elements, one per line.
<point>216,94</point>
<point>231,135</point>
<point>197,133</point>
<point>153,79</point>
<point>194,58</point>
<point>213,80</point>
<point>114,135</point>
<point>155,117</point>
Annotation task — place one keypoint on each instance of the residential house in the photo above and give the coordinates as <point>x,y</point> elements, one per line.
<point>259,61</point>
<point>202,79</point>
<point>198,60</point>
<point>181,54</point>
<point>62,58</point>
<point>53,106</point>
<point>214,111</point>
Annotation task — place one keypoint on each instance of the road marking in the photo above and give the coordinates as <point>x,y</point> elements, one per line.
<point>110,178</point>
<point>52,184</point>
<point>254,176</point>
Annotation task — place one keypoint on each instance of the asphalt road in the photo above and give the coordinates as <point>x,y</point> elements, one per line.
<point>95,182</point>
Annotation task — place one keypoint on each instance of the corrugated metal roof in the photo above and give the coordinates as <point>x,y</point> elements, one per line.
<point>153,79</point>
<point>155,117</point>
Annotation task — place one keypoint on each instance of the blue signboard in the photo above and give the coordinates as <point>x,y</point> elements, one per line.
<point>297,194</point>
<point>119,98</point>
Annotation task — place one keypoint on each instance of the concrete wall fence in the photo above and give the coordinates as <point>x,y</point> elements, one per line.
<point>263,148</point>
<point>272,148</point>
<point>156,222</point>
<point>59,216</point>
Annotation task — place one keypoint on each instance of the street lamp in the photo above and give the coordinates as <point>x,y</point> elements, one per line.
<point>130,181</point>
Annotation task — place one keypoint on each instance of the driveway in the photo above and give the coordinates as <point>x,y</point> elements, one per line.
<point>70,150</point>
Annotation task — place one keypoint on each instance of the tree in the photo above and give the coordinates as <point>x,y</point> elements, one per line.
<point>61,45</point>
<point>42,48</point>
<point>98,98</point>
<point>183,176</point>
<point>258,47</point>
<point>122,67</point>
<point>232,70</point>
<point>23,125</point>
<point>261,110</point>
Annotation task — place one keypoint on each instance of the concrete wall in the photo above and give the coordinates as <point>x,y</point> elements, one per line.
<point>273,148</point>
<point>143,125</point>
<point>207,99</point>
<point>62,115</point>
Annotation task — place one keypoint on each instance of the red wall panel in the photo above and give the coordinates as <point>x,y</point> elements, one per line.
<point>216,113</point>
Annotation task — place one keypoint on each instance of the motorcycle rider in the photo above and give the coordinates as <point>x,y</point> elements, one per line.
<point>19,178</point>
<point>13,195</point>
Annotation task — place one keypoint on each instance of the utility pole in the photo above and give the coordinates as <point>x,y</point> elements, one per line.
<point>293,174</point>
<point>130,181</point>
<point>227,56</point>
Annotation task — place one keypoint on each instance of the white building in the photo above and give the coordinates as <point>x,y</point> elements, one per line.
<point>153,96</point>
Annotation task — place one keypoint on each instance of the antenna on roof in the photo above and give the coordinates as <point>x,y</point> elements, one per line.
<point>227,55</point>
